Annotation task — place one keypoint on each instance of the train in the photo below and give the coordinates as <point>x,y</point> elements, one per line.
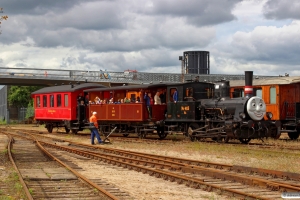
<point>199,110</point>
<point>282,98</point>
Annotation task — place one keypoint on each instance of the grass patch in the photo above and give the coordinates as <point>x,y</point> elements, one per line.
<point>14,187</point>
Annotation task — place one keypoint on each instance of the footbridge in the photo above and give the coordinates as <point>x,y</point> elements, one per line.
<point>49,77</point>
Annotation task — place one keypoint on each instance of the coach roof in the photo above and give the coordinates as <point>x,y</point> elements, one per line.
<point>68,88</point>
<point>267,81</point>
<point>127,87</point>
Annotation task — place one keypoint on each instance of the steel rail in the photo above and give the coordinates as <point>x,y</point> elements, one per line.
<point>190,181</point>
<point>26,189</point>
<point>145,160</point>
<point>273,173</point>
<point>108,194</point>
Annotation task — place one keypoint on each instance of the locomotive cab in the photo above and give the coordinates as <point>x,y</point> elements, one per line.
<point>185,109</point>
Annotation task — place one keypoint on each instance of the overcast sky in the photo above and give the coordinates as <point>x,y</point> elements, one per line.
<point>150,35</point>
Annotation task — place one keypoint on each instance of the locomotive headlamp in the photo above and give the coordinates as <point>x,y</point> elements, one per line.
<point>242,115</point>
<point>269,115</point>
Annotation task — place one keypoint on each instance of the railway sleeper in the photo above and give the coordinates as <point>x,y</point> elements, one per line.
<point>208,135</point>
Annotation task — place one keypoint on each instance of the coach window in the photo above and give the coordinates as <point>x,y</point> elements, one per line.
<point>66,98</point>
<point>38,101</point>
<point>189,92</point>
<point>58,100</point>
<point>51,100</point>
<point>238,93</point>
<point>257,92</point>
<point>272,95</point>
<point>44,101</point>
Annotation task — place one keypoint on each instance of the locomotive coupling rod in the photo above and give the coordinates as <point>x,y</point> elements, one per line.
<point>190,130</point>
<point>198,129</point>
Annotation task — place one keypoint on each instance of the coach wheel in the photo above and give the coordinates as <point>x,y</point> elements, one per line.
<point>245,140</point>
<point>125,134</point>
<point>192,127</point>
<point>67,130</point>
<point>161,133</point>
<point>75,131</point>
<point>293,136</point>
<point>49,128</point>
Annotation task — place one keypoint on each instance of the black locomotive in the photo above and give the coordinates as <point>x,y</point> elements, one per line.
<point>217,116</point>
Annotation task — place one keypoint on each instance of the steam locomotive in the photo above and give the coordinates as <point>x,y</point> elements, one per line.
<point>224,118</point>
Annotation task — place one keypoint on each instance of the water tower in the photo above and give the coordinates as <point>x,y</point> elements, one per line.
<point>195,62</point>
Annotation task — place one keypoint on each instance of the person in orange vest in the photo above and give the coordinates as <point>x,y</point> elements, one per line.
<point>94,130</point>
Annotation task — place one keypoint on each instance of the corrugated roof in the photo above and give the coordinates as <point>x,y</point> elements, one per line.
<point>68,88</point>
<point>269,81</point>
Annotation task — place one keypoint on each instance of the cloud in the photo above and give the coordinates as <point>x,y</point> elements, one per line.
<point>265,49</point>
<point>195,12</point>
<point>278,9</point>
<point>32,7</point>
<point>150,35</point>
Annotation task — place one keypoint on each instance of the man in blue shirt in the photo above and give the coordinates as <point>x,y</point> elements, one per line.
<point>149,101</point>
<point>175,96</point>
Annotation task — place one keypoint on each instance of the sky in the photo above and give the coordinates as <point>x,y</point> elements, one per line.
<point>149,35</point>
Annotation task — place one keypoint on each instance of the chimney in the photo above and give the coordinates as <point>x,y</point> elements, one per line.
<point>248,84</point>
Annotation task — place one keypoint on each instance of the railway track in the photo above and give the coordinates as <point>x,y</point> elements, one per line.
<point>181,138</point>
<point>45,176</point>
<point>237,181</point>
<point>219,178</point>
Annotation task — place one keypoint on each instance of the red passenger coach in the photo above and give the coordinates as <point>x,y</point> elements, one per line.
<point>62,106</point>
<point>124,107</point>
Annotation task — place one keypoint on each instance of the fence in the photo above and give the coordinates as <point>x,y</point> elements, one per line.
<point>25,113</point>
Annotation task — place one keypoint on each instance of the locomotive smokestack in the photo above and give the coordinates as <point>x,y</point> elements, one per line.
<point>248,84</point>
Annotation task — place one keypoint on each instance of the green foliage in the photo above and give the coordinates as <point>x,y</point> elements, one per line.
<point>30,110</point>
<point>20,96</point>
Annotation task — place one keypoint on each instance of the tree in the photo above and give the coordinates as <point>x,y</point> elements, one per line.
<point>3,17</point>
<point>20,96</point>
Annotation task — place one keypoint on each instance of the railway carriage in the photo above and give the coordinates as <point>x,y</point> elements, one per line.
<point>282,97</point>
<point>124,107</point>
<point>62,106</point>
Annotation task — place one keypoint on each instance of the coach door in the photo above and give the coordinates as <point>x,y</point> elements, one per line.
<point>81,114</point>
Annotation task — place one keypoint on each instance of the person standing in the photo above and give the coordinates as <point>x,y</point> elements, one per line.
<point>157,100</point>
<point>149,101</point>
<point>80,98</point>
<point>163,96</point>
<point>175,96</point>
<point>94,130</point>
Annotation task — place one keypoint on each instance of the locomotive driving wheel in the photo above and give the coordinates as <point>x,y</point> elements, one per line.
<point>220,139</point>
